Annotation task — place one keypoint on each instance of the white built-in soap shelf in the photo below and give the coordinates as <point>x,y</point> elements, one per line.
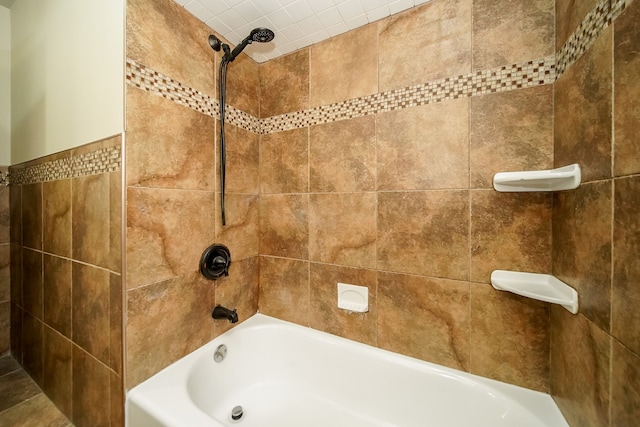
<point>564,178</point>
<point>543,287</point>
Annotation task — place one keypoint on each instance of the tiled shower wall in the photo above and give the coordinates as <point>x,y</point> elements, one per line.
<point>5,279</point>
<point>66,286</point>
<point>398,196</point>
<point>595,356</point>
<point>171,188</point>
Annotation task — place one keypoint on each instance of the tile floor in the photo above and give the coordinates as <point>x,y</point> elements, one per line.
<point>22,403</point>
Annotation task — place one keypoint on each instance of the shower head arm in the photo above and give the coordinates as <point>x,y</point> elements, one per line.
<point>239,48</point>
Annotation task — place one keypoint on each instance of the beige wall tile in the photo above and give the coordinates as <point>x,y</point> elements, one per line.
<point>430,42</point>
<point>509,338</point>
<point>324,313</point>
<point>342,229</point>
<point>242,172</point>
<point>56,217</point>
<point>167,231</point>
<point>510,131</point>
<point>57,370</point>
<point>240,234</point>
<point>90,219</point>
<point>284,162</point>
<point>91,391</point>
<point>569,14</point>
<point>115,221</point>
<point>166,321</point>
<point>243,84</point>
<point>284,225</point>
<point>424,233</point>
<point>344,67</point>
<point>424,317</point>
<point>625,386</point>
<point>582,247</point>
<point>238,291</point>
<point>115,322</point>
<point>32,286</point>
<point>583,112</point>
<point>284,84</point>
<point>162,35</point>
<point>509,32</point>
<point>91,310</point>
<point>625,294</point>
<point>424,147</point>
<point>342,155</point>
<point>57,294</point>
<point>32,216</point>
<point>168,145</point>
<point>580,363</point>
<point>510,231</point>
<point>627,91</point>
<point>284,289</point>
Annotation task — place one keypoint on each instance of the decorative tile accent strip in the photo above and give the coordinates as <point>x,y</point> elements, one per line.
<point>99,161</point>
<point>587,32</point>
<point>147,79</point>
<point>500,79</point>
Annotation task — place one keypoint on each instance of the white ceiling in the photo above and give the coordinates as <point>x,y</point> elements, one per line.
<point>7,3</point>
<point>296,23</point>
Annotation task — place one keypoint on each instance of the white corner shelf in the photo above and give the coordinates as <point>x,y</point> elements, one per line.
<point>543,287</point>
<point>564,178</point>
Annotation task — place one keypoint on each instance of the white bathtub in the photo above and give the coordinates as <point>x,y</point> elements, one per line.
<point>288,375</point>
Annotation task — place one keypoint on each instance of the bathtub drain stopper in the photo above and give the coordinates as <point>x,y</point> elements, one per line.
<point>237,413</point>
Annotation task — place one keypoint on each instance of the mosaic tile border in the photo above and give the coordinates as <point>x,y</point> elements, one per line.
<point>96,162</point>
<point>500,79</point>
<point>587,33</point>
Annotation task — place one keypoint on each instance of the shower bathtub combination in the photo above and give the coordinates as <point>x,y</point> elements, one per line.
<point>268,372</point>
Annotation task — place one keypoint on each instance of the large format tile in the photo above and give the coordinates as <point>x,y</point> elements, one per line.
<point>509,231</point>
<point>625,386</point>
<point>57,294</point>
<point>90,391</point>
<point>166,321</point>
<point>342,229</point>
<point>284,289</point>
<point>342,155</point>
<point>91,230</point>
<point>238,291</point>
<point>32,340</point>
<point>425,43</point>
<point>625,294</point>
<point>243,84</point>
<point>168,145</point>
<point>344,67</point>
<point>569,14</point>
<point>167,231</point>
<point>240,234</point>
<point>5,212</point>
<point>91,310</point>
<point>426,318</point>
<point>580,365</point>
<point>32,286</point>
<point>15,214</point>
<point>509,338</point>
<point>35,412</point>
<point>57,217</point>
<point>16,387</point>
<point>509,32</point>
<point>5,272</point>
<point>582,247</point>
<point>162,35</point>
<point>627,91</point>
<point>425,147</point>
<point>582,114</point>
<point>32,215</point>
<point>16,274</point>
<point>242,151</point>
<point>284,225</point>
<point>424,233</point>
<point>284,162</point>
<point>324,313</point>
<point>5,327</point>
<point>57,370</point>
<point>510,131</point>
<point>284,84</point>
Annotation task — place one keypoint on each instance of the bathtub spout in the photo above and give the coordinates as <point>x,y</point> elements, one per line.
<point>220,312</point>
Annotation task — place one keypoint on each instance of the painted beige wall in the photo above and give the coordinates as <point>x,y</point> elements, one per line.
<point>67,63</point>
<point>5,86</point>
